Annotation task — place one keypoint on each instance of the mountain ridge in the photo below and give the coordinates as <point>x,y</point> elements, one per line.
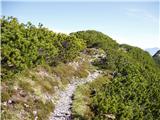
<point>156,57</point>
<point>152,51</point>
<point>37,62</point>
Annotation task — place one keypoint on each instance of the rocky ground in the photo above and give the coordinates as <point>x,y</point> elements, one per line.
<point>62,108</point>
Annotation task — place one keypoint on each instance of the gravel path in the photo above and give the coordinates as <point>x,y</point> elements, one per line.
<point>62,109</point>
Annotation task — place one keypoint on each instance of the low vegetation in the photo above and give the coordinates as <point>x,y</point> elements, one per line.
<point>95,39</point>
<point>30,91</point>
<point>34,91</point>
<point>37,62</point>
<point>26,46</point>
<point>81,109</point>
<point>132,92</point>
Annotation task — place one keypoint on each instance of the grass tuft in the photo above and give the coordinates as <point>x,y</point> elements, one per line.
<point>82,98</point>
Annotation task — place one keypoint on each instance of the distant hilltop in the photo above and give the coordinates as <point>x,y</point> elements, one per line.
<point>156,57</point>
<point>152,51</point>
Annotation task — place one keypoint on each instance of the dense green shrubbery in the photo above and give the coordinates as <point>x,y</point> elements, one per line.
<point>138,55</point>
<point>96,39</point>
<point>25,45</point>
<point>133,92</point>
<point>68,46</point>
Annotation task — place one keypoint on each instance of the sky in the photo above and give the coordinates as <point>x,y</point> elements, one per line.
<point>134,23</point>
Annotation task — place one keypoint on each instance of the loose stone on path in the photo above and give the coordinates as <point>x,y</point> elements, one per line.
<point>62,109</point>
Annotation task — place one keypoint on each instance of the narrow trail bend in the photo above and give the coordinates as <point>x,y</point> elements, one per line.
<point>62,109</point>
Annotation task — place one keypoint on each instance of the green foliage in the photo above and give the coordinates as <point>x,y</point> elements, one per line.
<point>138,54</point>
<point>133,92</point>
<point>68,46</point>
<point>96,39</point>
<point>28,91</point>
<point>82,98</point>
<point>25,46</point>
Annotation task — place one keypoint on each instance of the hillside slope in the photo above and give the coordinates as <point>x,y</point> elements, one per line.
<point>37,63</point>
<point>156,57</point>
<point>152,51</point>
<point>131,93</point>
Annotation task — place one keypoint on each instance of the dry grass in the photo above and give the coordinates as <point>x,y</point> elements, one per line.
<point>82,99</point>
<point>33,90</point>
